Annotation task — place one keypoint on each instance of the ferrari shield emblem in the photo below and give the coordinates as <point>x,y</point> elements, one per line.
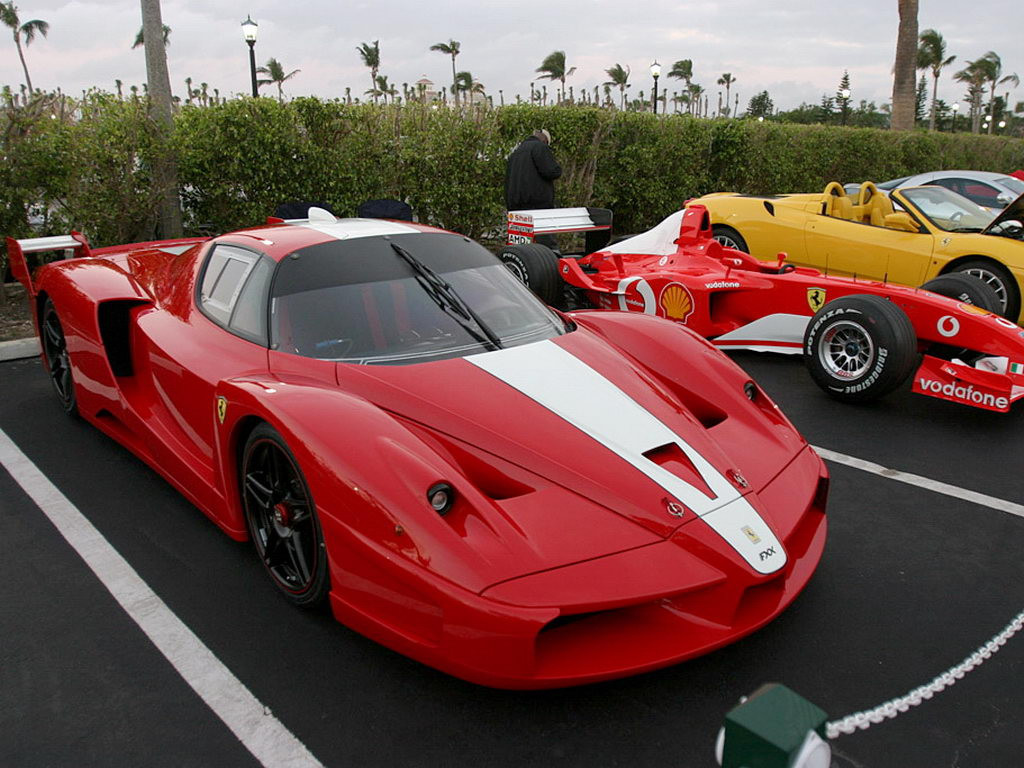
<point>816,298</point>
<point>749,532</point>
<point>222,408</point>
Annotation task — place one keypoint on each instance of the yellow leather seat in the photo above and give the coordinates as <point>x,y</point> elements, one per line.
<point>842,208</point>
<point>881,206</point>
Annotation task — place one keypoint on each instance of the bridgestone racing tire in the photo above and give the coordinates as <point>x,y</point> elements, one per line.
<point>859,348</point>
<point>536,266</point>
<point>966,288</point>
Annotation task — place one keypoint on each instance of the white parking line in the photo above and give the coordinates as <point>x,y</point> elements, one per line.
<point>922,482</point>
<point>254,725</point>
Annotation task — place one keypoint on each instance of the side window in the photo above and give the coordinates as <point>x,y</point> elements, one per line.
<point>233,291</point>
<point>249,317</point>
<point>981,193</point>
<point>953,184</point>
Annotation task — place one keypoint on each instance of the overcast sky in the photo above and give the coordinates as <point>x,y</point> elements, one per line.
<point>795,49</point>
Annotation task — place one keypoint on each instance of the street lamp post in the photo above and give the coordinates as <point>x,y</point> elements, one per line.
<point>956,110</point>
<point>655,73</point>
<point>845,96</point>
<point>249,28</point>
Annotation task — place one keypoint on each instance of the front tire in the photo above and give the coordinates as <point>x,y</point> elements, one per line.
<point>999,279</point>
<point>859,348</point>
<point>536,267</point>
<point>281,518</point>
<point>58,361</point>
<point>729,238</point>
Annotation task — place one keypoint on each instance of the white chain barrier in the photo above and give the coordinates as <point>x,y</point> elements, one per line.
<point>893,707</point>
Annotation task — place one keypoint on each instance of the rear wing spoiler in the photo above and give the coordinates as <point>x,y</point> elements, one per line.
<point>523,226</point>
<point>16,250</point>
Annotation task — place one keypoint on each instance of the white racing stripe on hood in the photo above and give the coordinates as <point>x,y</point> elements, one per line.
<point>570,388</point>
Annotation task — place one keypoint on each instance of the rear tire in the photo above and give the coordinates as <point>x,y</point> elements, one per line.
<point>999,279</point>
<point>58,361</point>
<point>729,237</point>
<point>966,288</point>
<point>536,267</point>
<point>859,348</point>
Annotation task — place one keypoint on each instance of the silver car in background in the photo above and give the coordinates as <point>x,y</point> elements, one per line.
<point>994,191</point>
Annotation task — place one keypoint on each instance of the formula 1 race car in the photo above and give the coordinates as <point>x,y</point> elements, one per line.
<point>517,497</point>
<point>860,339</point>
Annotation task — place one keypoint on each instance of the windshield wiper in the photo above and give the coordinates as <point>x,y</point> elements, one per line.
<point>448,299</point>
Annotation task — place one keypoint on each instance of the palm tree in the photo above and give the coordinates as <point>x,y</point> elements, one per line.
<point>975,75</point>
<point>904,81</point>
<point>274,72</point>
<point>727,80</point>
<point>140,40</point>
<point>682,70</point>
<point>385,89</point>
<point>696,92</point>
<point>553,68</point>
<point>370,54</point>
<point>28,30</point>
<point>451,48</point>
<point>618,76</point>
<point>465,83</point>
<point>931,54</point>
<point>991,66</point>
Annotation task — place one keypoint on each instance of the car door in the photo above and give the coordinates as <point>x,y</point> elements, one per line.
<point>853,248</point>
<point>189,343</point>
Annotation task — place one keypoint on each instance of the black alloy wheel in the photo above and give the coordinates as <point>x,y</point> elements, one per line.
<point>281,518</point>
<point>58,362</point>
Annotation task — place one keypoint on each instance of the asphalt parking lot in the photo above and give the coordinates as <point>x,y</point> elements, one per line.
<point>912,581</point>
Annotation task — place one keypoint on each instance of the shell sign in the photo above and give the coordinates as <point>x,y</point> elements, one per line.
<point>676,302</point>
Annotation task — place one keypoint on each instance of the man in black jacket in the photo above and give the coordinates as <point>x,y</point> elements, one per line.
<point>530,177</point>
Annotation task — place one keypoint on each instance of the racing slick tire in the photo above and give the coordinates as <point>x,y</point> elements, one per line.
<point>999,279</point>
<point>58,362</point>
<point>966,288</point>
<point>859,348</point>
<point>281,519</point>
<point>729,237</point>
<point>536,266</point>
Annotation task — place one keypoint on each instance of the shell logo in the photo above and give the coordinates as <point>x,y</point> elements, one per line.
<point>676,301</point>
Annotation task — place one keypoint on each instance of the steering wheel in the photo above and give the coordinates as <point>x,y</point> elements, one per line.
<point>955,217</point>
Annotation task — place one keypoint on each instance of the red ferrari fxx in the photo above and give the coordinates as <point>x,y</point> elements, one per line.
<point>519,497</point>
<point>860,339</point>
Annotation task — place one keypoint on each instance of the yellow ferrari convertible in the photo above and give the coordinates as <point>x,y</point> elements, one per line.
<point>908,236</point>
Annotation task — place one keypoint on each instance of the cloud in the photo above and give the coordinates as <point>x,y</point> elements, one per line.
<point>796,50</point>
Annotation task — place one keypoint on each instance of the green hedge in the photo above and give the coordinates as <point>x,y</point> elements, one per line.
<point>88,168</point>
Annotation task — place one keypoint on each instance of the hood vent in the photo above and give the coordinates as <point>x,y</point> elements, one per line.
<point>671,458</point>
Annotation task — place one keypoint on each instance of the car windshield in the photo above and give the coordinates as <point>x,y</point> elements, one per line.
<point>947,210</point>
<point>359,301</point>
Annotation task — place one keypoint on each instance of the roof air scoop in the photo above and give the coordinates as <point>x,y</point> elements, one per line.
<point>319,215</point>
